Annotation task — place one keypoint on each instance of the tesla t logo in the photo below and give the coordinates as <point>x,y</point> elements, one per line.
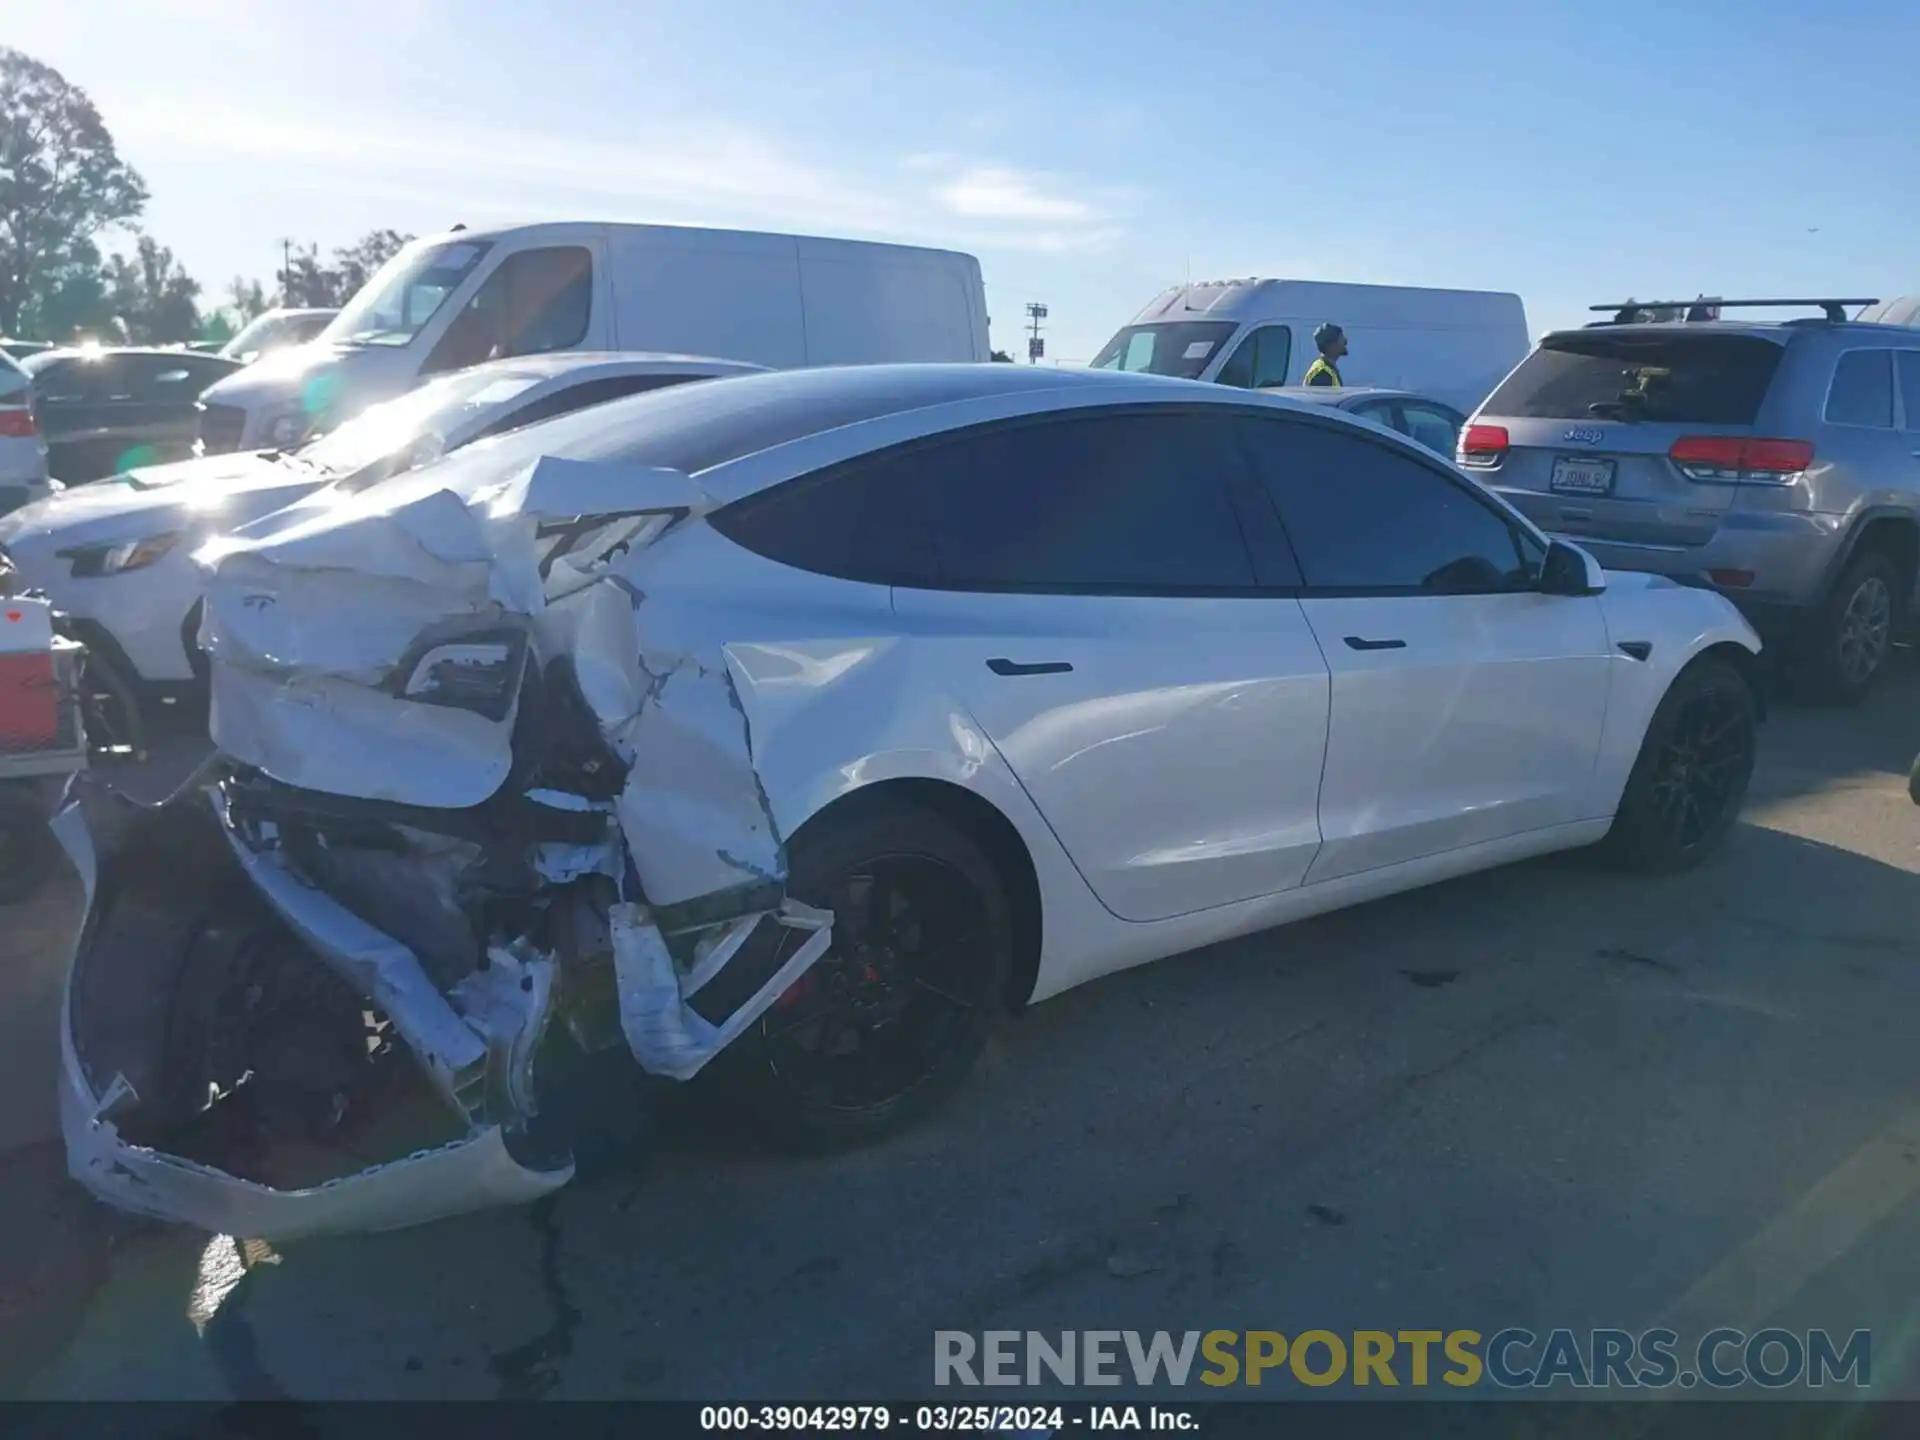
<point>1584,435</point>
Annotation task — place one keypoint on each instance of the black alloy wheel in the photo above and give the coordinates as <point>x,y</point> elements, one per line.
<point>891,1019</point>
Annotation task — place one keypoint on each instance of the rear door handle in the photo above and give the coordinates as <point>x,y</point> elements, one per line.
<point>1041,667</point>
<point>1355,642</point>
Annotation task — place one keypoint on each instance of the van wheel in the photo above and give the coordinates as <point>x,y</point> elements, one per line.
<point>892,1018</point>
<point>1691,776</point>
<point>1851,634</point>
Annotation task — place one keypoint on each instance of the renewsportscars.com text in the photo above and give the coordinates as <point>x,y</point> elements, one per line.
<point>1722,1359</point>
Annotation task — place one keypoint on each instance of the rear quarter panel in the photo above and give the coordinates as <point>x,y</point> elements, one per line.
<point>837,699</point>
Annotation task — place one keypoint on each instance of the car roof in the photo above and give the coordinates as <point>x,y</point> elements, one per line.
<point>1331,395</point>
<point>740,424</point>
<point>98,352</point>
<point>1780,331</point>
<point>584,363</point>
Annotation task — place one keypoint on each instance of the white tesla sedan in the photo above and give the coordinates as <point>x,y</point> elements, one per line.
<point>812,720</point>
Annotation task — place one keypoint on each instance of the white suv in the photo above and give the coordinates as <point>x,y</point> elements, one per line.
<point>23,451</point>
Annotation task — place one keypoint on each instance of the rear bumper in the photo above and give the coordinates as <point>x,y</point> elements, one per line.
<point>1788,557</point>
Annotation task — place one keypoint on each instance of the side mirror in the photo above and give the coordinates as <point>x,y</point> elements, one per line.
<point>1569,570</point>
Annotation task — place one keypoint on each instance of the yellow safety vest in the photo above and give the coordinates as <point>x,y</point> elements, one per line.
<point>1321,372</point>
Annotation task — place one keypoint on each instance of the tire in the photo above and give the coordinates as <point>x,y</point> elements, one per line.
<point>806,1071</point>
<point>1851,634</point>
<point>1691,775</point>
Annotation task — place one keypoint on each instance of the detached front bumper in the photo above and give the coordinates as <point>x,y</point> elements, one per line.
<point>468,1173</point>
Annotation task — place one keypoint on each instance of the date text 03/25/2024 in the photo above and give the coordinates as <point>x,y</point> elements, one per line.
<point>966,1419</point>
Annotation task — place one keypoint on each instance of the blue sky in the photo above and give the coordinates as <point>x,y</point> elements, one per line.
<point>1089,153</point>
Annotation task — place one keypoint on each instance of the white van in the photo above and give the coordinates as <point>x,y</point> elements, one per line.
<point>449,301</point>
<point>1454,345</point>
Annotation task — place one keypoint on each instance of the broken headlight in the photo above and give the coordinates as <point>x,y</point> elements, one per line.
<point>480,673</point>
<point>93,562</point>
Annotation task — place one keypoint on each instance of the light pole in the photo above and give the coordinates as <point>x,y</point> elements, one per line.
<point>1036,347</point>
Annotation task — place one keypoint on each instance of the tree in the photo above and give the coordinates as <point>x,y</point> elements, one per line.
<point>246,299</point>
<point>306,282</point>
<point>61,184</point>
<point>151,296</point>
<point>355,264</point>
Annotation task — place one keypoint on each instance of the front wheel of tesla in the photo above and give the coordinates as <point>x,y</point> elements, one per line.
<point>893,1017</point>
<point>1691,776</point>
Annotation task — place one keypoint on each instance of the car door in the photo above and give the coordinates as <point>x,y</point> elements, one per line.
<point>71,400</point>
<point>1094,608</point>
<point>1466,706</point>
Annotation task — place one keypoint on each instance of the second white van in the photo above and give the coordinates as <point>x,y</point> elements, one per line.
<point>1454,345</point>
<point>446,302</point>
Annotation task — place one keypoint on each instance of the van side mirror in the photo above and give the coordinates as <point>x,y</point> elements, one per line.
<point>1569,570</point>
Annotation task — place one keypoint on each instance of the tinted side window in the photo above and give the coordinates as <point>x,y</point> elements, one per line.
<point>1862,392</point>
<point>66,382</point>
<point>1260,360</point>
<point>1094,503</point>
<point>535,302</point>
<point>858,521</point>
<point>1364,517</point>
<point>1125,503</point>
<point>1908,363</point>
<point>1270,362</point>
<point>1437,429</point>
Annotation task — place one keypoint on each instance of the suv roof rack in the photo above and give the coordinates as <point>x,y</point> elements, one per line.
<point>1629,312</point>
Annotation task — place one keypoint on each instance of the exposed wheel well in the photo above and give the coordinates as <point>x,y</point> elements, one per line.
<point>1899,541</point>
<point>994,834</point>
<point>1746,663</point>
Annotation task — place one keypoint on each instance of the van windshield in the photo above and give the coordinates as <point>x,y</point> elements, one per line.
<point>1179,348</point>
<point>1664,376</point>
<point>405,294</point>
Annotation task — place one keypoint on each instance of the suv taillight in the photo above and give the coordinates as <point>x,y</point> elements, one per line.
<point>1736,459</point>
<point>17,423</point>
<point>1483,444</point>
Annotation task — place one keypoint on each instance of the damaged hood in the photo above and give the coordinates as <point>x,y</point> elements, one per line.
<point>207,495</point>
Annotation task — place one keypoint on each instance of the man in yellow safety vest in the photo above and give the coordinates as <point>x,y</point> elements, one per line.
<point>1331,341</point>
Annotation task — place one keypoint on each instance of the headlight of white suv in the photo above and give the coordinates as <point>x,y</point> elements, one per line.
<point>91,562</point>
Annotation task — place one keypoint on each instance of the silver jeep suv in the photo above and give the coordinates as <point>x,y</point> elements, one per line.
<point>1778,463</point>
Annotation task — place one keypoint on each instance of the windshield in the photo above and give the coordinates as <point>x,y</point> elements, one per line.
<point>1664,377</point>
<point>431,414</point>
<point>263,331</point>
<point>406,293</point>
<point>1180,348</point>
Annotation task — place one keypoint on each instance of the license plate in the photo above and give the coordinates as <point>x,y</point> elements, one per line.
<point>1582,477</point>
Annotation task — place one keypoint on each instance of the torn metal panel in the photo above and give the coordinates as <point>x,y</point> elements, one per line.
<point>666,1034</point>
<point>381,968</point>
<point>692,810</point>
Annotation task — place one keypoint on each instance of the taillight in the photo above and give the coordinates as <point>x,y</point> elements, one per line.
<point>1483,444</point>
<point>1736,459</point>
<point>17,424</point>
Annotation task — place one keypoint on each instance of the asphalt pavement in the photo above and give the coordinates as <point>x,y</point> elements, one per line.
<point>1546,1096</point>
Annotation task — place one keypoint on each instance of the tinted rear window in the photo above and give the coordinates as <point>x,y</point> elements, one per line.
<point>1683,379</point>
